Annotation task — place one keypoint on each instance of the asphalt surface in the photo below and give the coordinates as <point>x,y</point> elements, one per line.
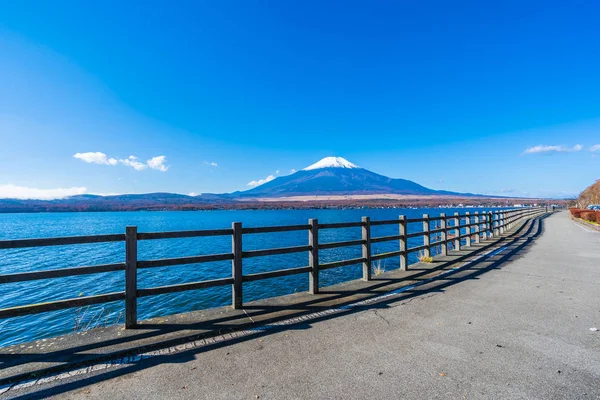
<point>516,325</point>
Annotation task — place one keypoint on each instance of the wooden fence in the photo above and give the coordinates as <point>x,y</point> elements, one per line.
<point>476,227</point>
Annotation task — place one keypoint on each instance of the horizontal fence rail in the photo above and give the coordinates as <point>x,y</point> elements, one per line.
<point>448,231</point>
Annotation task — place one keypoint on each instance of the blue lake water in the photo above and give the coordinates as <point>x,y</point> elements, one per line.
<point>19,226</point>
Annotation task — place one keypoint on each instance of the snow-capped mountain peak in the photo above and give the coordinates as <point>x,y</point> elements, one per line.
<point>331,162</point>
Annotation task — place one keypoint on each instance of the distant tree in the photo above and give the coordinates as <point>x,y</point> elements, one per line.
<point>589,196</point>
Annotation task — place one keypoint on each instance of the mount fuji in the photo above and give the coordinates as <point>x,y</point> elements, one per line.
<point>338,176</point>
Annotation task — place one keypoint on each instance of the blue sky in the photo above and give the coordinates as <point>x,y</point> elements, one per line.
<point>211,96</point>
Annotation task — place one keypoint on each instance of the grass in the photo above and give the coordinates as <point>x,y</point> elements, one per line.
<point>423,258</point>
<point>378,270</point>
<point>86,320</point>
<point>588,221</point>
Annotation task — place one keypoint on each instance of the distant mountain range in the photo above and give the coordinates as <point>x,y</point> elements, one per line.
<point>331,176</point>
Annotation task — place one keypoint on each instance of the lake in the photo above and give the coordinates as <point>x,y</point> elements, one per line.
<point>20,226</point>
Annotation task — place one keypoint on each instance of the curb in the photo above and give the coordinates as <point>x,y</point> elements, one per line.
<point>582,222</point>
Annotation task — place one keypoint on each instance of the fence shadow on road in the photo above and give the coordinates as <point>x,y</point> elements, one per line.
<point>514,244</point>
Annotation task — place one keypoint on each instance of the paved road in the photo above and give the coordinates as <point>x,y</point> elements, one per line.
<point>520,330</point>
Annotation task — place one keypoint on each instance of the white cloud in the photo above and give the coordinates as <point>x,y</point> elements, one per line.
<point>595,147</point>
<point>132,161</point>
<point>552,149</point>
<point>158,163</point>
<point>277,172</point>
<point>292,171</point>
<point>21,192</point>
<point>261,181</point>
<point>95,158</point>
<point>193,194</point>
<point>211,163</point>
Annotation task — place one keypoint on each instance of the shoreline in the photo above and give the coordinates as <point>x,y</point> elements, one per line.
<point>330,202</point>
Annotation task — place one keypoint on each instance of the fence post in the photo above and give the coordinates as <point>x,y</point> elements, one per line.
<point>443,235</point>
<point>403,246</point>
<point>426,236</point>
<point>313,256</point>
<point>497,223</point>
<point>490,218</point>
<point>457,231</point>
<point>130,277</point>
<point>484,218</point>
<point>501,217</point>
<point>477,227</point>
<point>366,248</point>
<point>236,266</point>
<point>468,228</point>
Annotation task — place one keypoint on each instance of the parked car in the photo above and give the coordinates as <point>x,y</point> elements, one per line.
<point>594,207</point>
